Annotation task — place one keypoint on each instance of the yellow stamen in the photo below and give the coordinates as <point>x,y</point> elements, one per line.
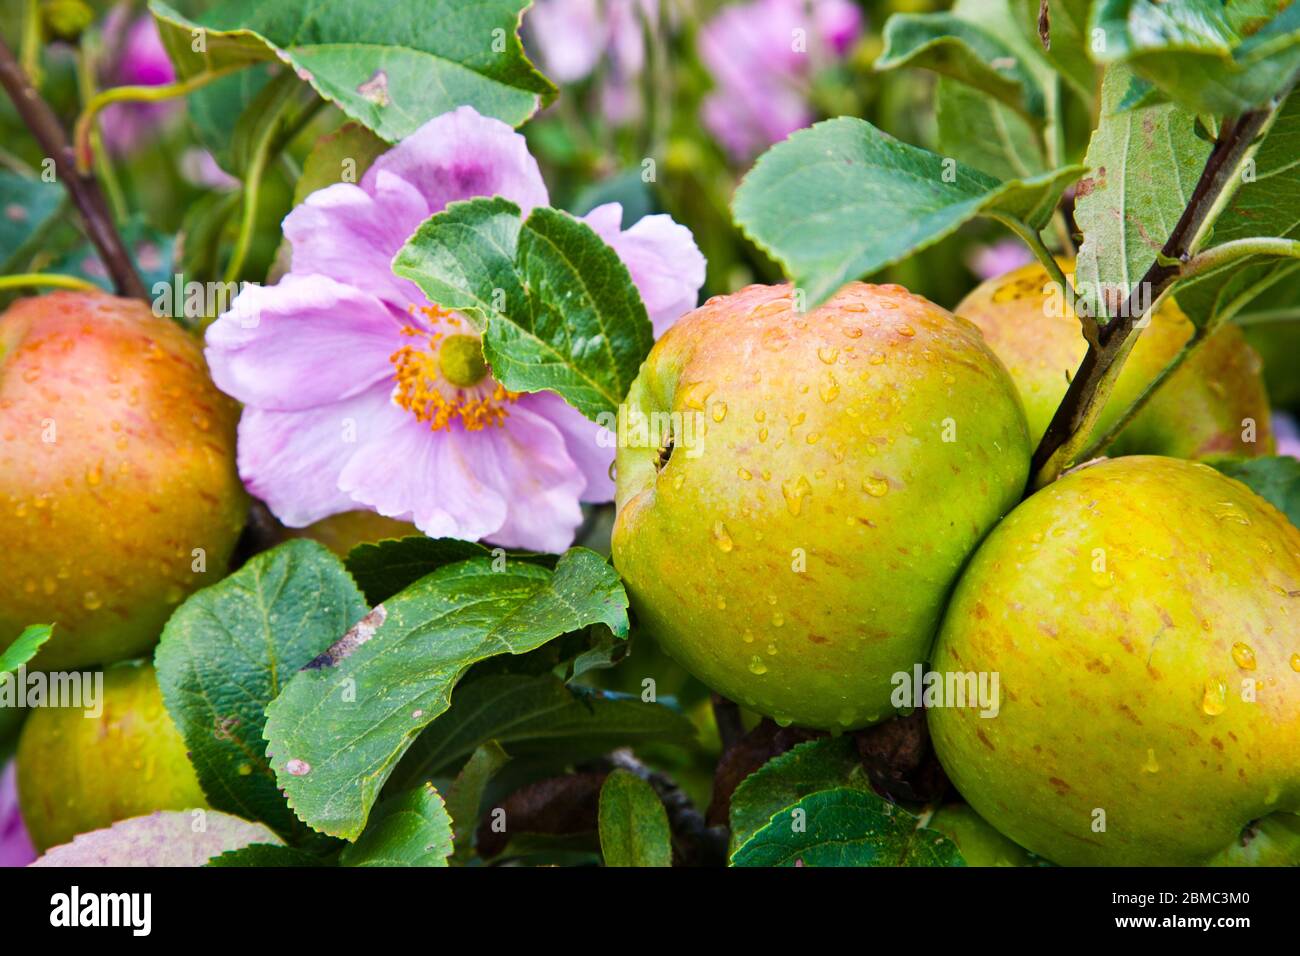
<point>423,387</point>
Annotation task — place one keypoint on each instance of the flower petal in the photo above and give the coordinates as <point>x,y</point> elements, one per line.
<point>589,445</point>
<point>351,235</point>
<point>666,264</point>
<point>461,155</point>
<point>303,342</point>
<point>292,459</point>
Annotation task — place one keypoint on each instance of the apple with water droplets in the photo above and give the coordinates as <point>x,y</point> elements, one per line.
<point>80,771</point>
<point>118,489</point>
<point>1214,405</point>
<point>798,490</point>
<point>1141,614</point>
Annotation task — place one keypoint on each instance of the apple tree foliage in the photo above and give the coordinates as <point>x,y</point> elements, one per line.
<point>382,710</point>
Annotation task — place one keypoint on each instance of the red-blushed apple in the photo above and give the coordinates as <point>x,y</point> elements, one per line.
<point>1141,614</point>
<point>78,773</point>
<point>1214,405</point>
<point>797,492</point>
<point>118,490</point>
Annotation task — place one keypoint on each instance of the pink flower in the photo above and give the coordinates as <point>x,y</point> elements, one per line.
<point>139,59</point>
<point>15,845</point>
<point>998,258</point>
<point>361,394</point>
<point>571,38</point>
<point>762,56</point>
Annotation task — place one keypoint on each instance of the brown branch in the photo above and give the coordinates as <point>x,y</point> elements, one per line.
<point>84,189</point>
<point>1076,411</point>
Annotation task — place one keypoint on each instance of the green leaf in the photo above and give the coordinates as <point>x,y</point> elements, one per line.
<point>1069,34</point>
<point>391,69</point>
<point>27,208</point>
<point>982,133</point>
<point>339,727</point>
<point>1266,204</point>
<point>787,778</point>
<point>1275,479</point>
<point>412,829</point>
<point>465,796</point>
<point>1144,166</point>
<point>842,200</point>
<point>953,46</point>
<point>846,827</point>
<point>557,307</point>
<point>536,717</point>
<point>230,649</point>
<point>633,823</point>
<point>24,647</point>
<point>342,156</point>
<point>266,854</point>
<point>383,568</point>
<point>215,109</point>
<point>1207,55</point>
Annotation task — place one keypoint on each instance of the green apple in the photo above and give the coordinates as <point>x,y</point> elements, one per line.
<point>1214,405</point>
<point>805,487</point>
<point>1140,614</point>
<point>979,843</point>
<point>78,773</point>
<point>118,490</point>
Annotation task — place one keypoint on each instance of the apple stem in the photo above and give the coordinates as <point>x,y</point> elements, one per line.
<point>1070,427</point>
<point>39,118</point>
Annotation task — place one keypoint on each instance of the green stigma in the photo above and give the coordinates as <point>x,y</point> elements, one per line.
<point>460,359</point>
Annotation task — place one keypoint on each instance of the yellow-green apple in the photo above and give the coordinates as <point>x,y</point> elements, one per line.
<point>118,490</point>
<point>1214,405</point>
<point>979,843</point>
<point>78,773</point>
<point>1141,616</point>
<point>797,491</point>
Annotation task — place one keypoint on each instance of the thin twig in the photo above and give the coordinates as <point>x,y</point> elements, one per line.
<point>1070,426</point>
<point>44,126</point>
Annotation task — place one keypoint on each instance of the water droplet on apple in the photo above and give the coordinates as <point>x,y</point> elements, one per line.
<point>722,603</point>
<point>719,411</point>
<point>757,666</point>
<point>828,354</point>
<point>1295,662</point>
<point>92,601</point>
<point>830,389</point>
<point>722,537</point>
<point>1215,699</point>
<point>1244,655</point>
<point>1151,766</point>
<point>778,619</point>
<point>794,492</point>
<point>875,486</point>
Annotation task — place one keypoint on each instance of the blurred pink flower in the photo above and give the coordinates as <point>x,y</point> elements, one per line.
<point>359,393</point>
<point>571,38</point>
<point>1287,433</point>
<point>15,845</point>
<point>997,258</point>
<point>137,58</point>
<point>762,56</point>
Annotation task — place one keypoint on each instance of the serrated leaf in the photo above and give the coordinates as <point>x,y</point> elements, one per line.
<point>382,568</point>
<point>1266,204</point>
<point>846,827</point>
<point>165,838</point>
<point>1275,479</point>
<point>633,823</point>
<point>24,647</point>
<point>391,70</point>
<point>340,726</point>
<point>1144,165</point>
<point>411,829</point>
<point>982,133</point>
<point>229,650</point>
<point>557,307</point>
<point>842,200</point>
<point>787,778</point>
<point>537,716</point>
<point>953,46</point>
<point>265,854</point>
<point>27,208</point>
<point>465,796</point>
<point>1207,55</point>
